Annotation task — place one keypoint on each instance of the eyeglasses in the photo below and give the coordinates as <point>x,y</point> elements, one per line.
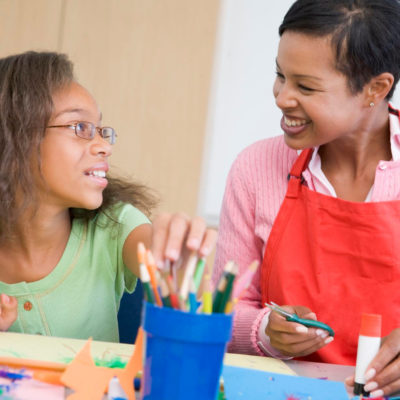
<point>87,130</point>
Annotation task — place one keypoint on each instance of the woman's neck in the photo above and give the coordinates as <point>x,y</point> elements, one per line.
<point>350,163</point>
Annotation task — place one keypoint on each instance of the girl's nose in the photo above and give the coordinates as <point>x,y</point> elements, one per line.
<point>100,146</point>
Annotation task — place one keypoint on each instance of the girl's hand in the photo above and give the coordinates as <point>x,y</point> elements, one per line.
<point>383,373</point>
<point>8,311</point>
<point>176,235</point>
<point>293,339</point>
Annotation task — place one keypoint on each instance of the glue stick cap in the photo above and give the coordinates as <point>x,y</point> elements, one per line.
<point>371,325</point>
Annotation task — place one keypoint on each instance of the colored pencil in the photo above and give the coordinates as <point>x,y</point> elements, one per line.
<point>188,276</point>
<point>192,297</point>
<point>207,294</point>
<point>219,293</point>
<point>243,282</point>
<point>227,293</point>
<point>145,278</point>
<point>198,275</point>
<point>165,295</point>
<point>151,267</point>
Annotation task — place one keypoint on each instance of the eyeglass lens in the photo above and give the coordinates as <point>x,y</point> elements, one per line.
<point>87,130</point>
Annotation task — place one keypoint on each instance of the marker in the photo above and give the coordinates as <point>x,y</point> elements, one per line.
<point>369,342</point>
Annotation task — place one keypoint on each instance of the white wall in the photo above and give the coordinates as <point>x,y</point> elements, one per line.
<point>241,106</point>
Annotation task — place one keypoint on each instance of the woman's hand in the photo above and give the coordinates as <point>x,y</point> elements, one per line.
<point>176,235</point>
<point>293,339</point>
<point>383,373</point>
<point>8,311</point>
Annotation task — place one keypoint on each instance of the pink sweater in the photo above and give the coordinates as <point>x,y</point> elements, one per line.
<point>255,189</point>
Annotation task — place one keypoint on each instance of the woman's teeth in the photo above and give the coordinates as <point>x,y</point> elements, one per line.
<point>294,122</point>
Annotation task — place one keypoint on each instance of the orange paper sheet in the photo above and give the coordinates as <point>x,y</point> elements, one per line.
<point>90,382</point>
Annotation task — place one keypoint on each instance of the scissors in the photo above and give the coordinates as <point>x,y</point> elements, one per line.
<point>295,318</point>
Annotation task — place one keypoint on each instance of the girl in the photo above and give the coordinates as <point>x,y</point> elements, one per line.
<point>319,206</point>
<point>68,231</point>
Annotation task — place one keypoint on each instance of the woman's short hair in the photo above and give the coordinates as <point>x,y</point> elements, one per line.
<point>365,35</point>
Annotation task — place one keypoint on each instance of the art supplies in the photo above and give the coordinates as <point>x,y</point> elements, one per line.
<point>152,269</point>
<point>311,323</point>
<point>207,295</point>
<point>188,276</point>
<point>147,289</point>
<point>224,288</point>
<point>242,383</point>
<point>198,275</point>
<point>184,353</point>
<point>369,342</point>
<point>243,282</point>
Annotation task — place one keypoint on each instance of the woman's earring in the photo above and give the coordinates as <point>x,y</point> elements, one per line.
<point>371,104</point>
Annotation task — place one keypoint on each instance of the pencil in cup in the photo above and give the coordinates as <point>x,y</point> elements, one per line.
<point>224,288</point>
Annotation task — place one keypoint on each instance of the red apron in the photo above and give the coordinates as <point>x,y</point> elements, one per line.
<point>337,257</point>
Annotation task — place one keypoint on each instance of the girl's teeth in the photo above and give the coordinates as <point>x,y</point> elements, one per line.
<point>101,174</point>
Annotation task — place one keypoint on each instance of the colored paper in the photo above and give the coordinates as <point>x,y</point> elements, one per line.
<point>61,350</point>
<point>249,384</point>
<point>260,363</point>
<point>90,382</point>
<point>28,389</point>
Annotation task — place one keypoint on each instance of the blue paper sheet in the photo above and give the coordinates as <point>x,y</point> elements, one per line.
<point>250,384</point>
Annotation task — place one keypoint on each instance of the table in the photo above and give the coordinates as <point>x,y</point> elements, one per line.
<point>63,350</point>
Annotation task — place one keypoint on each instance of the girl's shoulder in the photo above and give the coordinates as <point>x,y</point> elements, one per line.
<point>121,213</point>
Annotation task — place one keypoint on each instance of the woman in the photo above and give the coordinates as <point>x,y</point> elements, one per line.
<point>324,221</point>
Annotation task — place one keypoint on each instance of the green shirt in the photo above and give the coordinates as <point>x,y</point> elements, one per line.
<point>80,298</point>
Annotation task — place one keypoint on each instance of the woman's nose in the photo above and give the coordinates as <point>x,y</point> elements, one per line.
<point>284,96</point>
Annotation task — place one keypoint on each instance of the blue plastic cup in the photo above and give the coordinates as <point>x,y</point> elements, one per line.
<point>183,353</point>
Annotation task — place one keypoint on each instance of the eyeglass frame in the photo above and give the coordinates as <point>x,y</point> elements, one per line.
<point>95,129</point>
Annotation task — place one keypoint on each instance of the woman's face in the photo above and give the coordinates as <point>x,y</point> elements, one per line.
<point>73,168</point>
<point>314,97</point>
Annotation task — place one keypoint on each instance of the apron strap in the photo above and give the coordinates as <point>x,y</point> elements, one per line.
<point>300,164</point>
<point>295,178</point>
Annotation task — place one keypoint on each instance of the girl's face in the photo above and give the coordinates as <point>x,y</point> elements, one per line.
<point>314,97</point>
<point>73,168</point>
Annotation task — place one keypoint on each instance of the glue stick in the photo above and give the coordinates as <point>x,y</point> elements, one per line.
<point>369,342</point>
